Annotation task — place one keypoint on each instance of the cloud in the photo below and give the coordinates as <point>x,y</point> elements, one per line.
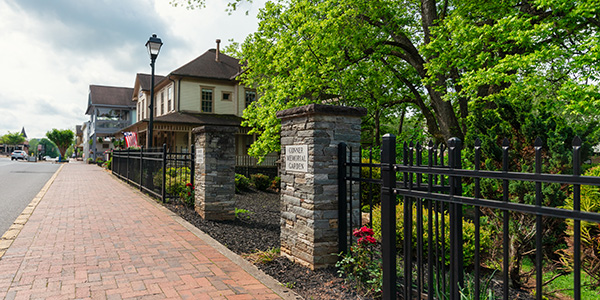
<point>46,108</point>
<point>53,50</point>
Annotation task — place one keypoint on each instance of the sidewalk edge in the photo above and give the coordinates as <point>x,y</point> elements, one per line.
<point>268,281</point>
<point>13,231</point>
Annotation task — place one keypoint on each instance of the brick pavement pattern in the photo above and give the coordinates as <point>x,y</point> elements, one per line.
<point>92,237</point>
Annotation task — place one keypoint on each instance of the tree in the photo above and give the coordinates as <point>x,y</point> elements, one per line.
<point>471,69</point>
<point>440,57</point>
<point>13,138</point>
<point>50,148</point>
<point>62,138</point>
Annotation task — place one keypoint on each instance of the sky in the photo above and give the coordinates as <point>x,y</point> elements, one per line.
<point>52,51</point>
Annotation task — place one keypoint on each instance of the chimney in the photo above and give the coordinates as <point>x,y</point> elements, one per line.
<point>218,42</point>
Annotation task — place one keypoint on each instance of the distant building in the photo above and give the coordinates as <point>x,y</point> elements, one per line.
<point>110,109</point>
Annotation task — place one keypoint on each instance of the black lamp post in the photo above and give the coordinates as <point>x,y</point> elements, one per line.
<point>153,45</point>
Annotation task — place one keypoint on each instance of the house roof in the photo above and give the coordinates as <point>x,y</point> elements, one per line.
<point>109,96</point>
<point>146,80</point>
<point>199,119</point>
<point>206,66</point>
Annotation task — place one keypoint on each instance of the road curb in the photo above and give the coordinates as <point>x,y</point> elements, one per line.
<point>271,283</point>
<point>13,231</point>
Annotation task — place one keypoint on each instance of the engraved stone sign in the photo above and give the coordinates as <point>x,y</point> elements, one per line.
<point>296,158</point>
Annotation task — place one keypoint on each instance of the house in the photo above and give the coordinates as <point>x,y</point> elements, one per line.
<point>110,110</point>
<point>203,91</point>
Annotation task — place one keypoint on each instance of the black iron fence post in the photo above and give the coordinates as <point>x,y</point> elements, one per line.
<point>193,165</point>
<point>505,224</point>
<point>456,238</point>
<point>164,173</point>
<point>141,168</point>
<point>342,194</point>
<point>577,223</point>
<point>388,216</point>
<point>538,222</point>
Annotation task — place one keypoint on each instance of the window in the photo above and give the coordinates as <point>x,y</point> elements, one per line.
<point>207,100</point>
<point>250,97</point>
<point>162,103</point>
<point>143,109</point>
<point>170,98</point>
<point>226,96</point>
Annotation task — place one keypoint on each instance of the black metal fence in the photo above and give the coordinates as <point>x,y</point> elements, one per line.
<point>433,207</point>
<point>156,171</point>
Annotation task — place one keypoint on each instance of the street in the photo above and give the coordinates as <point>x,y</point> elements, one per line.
<point>20,181</point>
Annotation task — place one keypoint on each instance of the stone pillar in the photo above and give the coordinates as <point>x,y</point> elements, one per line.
<point>309,139</point>
<point>215,171</point>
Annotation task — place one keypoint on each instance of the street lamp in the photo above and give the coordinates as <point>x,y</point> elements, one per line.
<point>153,45</point>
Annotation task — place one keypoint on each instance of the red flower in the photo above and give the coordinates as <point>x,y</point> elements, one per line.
<point>363,231</point>
<point>366,240</point>
<point>188,184</point>
<point>367,231</point>
<point>189,194</point>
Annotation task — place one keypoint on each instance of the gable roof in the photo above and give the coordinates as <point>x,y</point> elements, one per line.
<point>109,96</point>
<point>206,66</point>
<point>145,80</point>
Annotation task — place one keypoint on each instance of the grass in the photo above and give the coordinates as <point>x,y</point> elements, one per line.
<point>262,257</point>
<point>562,287</point>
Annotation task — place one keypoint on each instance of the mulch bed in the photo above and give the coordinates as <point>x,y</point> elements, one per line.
<point>257,228</point>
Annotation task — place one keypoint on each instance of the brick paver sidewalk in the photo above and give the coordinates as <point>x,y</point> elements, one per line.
<point>94,237</point>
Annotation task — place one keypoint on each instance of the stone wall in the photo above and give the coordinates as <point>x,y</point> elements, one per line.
<point>309,193</point>
<point>215,171</point>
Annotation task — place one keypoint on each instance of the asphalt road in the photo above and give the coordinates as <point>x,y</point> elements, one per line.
<point>20,181</point>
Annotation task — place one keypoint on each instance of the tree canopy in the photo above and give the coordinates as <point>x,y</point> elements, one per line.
<point>50,148</point>
<point>12,138</point>
<point>445,59</point>
<point>62,138</point>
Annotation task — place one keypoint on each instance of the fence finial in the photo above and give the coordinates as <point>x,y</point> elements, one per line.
<point>577,141</point>
<point>505,143</point>
<point>477,143</point>
<point>538,142</point>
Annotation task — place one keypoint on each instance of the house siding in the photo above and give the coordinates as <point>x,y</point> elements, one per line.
<point>190,97</point>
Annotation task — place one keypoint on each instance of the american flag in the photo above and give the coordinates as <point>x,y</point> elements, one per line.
<point>131,139</point>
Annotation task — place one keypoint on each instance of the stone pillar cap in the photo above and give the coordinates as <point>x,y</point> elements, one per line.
<point>322,109</point>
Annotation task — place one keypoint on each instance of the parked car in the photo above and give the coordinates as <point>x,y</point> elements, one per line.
<point>18,154</point>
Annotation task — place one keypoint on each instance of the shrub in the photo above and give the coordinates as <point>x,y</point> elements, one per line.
<point>590,232</point>
<point>176,179</point>
<point>242,183</point>
<point>261,181</point>
<point>360,265</point>
<point>188,195</point>
<point>108,164</point>
<point>468,233</point>
<point>275,184</point>
<point>370,190</point>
